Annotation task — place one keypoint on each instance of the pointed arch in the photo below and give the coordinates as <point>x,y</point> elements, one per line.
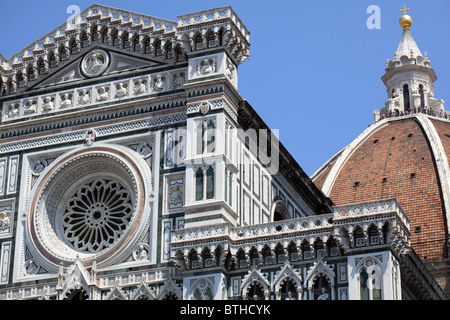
<point>84,39</point>
<point>255,283</point>
<point>406,98</point>
<point>285,280</point>
<point>143,292</point>
<point>279,211</point>
<point>320,275</point>
<point>202,289</point>
<point>369,284</point>
<point>170,291</point>
<point>116,294</point>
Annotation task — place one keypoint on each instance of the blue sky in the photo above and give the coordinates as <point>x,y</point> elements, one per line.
<point>315,67</point>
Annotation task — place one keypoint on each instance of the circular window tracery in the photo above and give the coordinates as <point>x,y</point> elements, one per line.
<point>90,205</point>
<point>96,215</point>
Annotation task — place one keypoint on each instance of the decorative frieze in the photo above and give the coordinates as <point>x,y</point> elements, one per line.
<point>93,95</point>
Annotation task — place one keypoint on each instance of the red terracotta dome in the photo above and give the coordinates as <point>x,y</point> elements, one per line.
<point>404,158</point>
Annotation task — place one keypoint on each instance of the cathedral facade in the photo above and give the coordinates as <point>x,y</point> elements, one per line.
<point>131,168</point>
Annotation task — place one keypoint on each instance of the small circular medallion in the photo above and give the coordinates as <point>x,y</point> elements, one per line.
<point>95,63</point>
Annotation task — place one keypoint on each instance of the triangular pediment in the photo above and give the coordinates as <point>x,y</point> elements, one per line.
<point>134,41</point>
<point>71,71</point>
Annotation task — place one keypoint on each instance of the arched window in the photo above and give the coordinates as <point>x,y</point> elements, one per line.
<point>105,36</point>
<point>370,283</point>
<point>333,248</point>
<point>11,85</point>
<point>202,289</point>
<point>179,54</point>
<point>319,249</point>
<point>206,136</point>
<point>359,238</point>
<point>115,38</point>
<point>199,185</point>
<point>406,101</point>
<point>280,211</point>
<point>42,67</point>
<point>422,96</point>
<point>199,43</point>
<point>306,251</point>
<point>94,33</point>
<point>147,47</point>
<point>158,50</point>
<point>53,60</point>
<point>374,236</point>
<point>194,261</point>
<point>63,53</point>
<point>126,40</point>
<point>136,44</point>
<point>169,51</point>
<point>84,40</point>
<point>241,260</point>
<point>21,79</point>
<point>210,183</point>
<point>254,257</point>
<point>210,136</point>
<point>204,183</point>
<point>73,46</point>
<point>229,186</point>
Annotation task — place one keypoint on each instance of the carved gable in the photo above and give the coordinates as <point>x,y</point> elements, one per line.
<point>115,62</point>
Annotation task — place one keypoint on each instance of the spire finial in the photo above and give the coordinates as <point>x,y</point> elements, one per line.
<point>405,20</point>
<point>404,10</point>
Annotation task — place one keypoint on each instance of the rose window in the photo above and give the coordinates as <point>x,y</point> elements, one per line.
<point>96,215</point>
<point>90,205</point>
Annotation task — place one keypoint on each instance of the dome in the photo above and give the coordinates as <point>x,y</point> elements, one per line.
<point>403,158</point>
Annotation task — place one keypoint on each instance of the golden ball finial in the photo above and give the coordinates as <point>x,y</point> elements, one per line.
<point>405,20</point>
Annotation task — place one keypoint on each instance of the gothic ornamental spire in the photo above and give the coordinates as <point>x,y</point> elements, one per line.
<point>409,78</point>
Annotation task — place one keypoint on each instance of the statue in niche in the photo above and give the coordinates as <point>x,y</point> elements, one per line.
<point>30,267</point>
<point>140,87</point>
<point>66,100</point>
<point>85,97</point>
<point>159,84</point>
<point>30,107</point>
<point>102,94</point>
<point>121,90</point>
<point>141,253</point>
<point>145,150</point>
<point>39,166</point>
<point>324,295</point>
<point>206,66</point>
<point>48,104</point>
